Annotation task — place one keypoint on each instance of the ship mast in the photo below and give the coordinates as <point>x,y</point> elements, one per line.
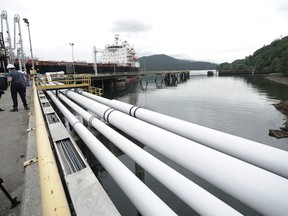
<point>116,39</point>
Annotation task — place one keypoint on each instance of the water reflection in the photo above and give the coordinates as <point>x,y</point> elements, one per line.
<point>242,106</point>
<point>273,90</point>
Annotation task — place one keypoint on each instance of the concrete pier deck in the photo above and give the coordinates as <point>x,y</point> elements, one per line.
<point>13,145</point>
<point>18,145</point>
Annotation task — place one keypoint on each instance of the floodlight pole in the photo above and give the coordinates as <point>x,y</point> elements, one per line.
<point>72,45</point>
<point>95,60</point>
<point>32,59</point>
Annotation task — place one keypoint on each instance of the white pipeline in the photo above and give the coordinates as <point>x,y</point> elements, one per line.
<point>263,191</point>
<point>267,157</point>
<point>140,195</point>
<point>196,197</point>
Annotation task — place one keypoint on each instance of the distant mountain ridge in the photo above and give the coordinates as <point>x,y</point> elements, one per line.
<point>163,62</point>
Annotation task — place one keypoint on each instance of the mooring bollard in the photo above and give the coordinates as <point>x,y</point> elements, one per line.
<point>14,201</point>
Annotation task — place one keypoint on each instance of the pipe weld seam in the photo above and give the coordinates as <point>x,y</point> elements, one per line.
<point>130,110</point>
<point>104,114</point>
<point>90,120</point>
<point>75,123</point>
<point>135,111</point>
<point>109,115</point>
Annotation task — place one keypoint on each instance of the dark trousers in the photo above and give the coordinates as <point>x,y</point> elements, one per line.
<point>21,91</point>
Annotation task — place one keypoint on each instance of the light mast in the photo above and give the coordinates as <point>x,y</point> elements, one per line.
<point>95,60</point>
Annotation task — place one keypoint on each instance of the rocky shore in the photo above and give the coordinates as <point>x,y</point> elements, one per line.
<point>277,77</point>
<point>282,106</point>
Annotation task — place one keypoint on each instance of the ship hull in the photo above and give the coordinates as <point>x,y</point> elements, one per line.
<point>79,69</point>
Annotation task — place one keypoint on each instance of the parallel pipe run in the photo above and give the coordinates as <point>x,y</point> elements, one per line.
<point>261,190</point>
<point>53,197</point>
<point>189,192</point>
<point>66,149</point>
<point>140,195</point>
<point>267,157</point>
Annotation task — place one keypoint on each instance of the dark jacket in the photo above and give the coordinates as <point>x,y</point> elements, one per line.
<point>17,78</point>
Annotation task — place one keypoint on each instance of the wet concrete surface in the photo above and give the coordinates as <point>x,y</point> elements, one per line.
<point>13,137</point>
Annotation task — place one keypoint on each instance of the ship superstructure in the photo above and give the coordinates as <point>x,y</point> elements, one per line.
<point>122,55</point>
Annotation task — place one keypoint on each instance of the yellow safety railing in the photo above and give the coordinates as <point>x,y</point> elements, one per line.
<point>95,90</point>
<point>53,197</point>
<point>82,81</point>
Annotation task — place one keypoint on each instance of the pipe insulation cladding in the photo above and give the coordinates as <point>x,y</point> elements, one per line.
<point>260,189</point>
<point>267,157</point>
<point>140,195</point>
<point>192,194</point>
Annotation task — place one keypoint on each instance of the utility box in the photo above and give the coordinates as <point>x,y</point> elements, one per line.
<point>3,83</point>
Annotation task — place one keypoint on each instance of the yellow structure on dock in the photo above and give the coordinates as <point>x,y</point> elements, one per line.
<point>68,82</point>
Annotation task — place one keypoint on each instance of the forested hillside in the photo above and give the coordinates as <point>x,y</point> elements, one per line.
<point>271,58</point>
<point>164,62</point>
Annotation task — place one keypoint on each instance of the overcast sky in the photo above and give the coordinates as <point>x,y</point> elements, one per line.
<point>204,30</point>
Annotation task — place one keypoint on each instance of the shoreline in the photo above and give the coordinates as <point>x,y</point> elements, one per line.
<point>282,106</point>
<point>277,77</point>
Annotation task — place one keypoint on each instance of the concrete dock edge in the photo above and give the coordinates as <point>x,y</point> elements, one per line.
<point>31,204</point>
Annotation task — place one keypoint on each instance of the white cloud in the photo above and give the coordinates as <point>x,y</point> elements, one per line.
<point>130,26</point>
<point>217,31</point>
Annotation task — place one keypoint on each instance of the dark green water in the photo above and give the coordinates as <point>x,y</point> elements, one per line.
<point>242,106</point>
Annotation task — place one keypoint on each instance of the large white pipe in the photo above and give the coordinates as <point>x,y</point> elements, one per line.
<point>263,191</point>
<point>140,195</point>
<point>196,197</point>
<point>267,157</point>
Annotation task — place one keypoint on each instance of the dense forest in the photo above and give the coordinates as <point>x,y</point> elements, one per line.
<point>268,59</point>
<point>164,62</point>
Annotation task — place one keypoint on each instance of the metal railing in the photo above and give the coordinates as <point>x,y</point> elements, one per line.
<point>53,197</point>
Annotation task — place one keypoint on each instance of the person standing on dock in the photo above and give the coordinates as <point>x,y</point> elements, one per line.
<point>1,92</point>
<point>16,82</point>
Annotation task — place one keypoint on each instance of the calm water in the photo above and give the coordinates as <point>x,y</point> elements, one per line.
<point>242,106</point>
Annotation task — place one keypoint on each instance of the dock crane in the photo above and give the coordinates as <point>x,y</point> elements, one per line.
<point>19,45</point>
<point>7,55</point>
<point>3,56</point>
<point>8,48</point>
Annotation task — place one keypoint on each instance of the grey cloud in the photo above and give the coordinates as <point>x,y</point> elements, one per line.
<point>130,25</point>
<point>282,8</point>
